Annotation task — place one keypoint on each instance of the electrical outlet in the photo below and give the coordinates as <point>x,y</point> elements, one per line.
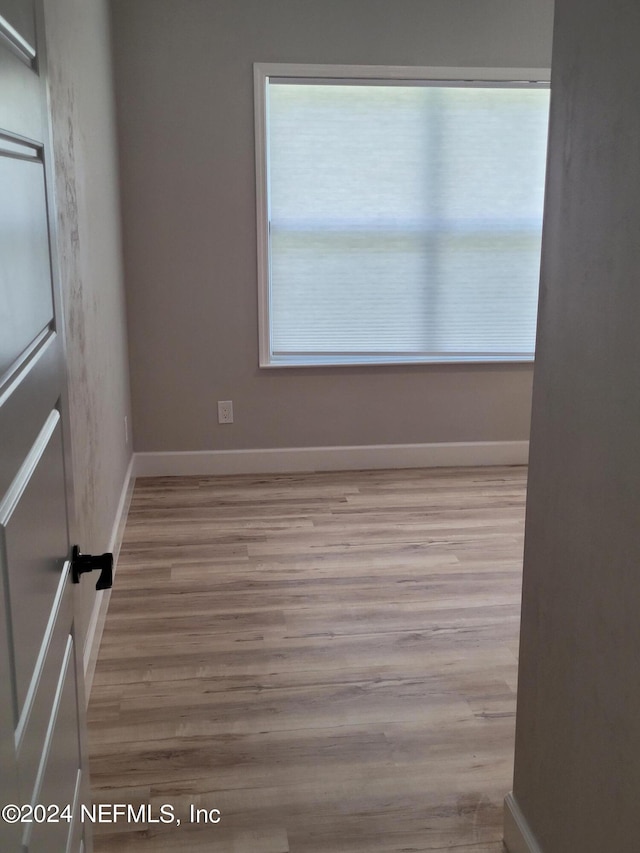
<point>225,411</point>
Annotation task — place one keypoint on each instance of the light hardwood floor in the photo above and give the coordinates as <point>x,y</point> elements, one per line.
<point>328,659</point>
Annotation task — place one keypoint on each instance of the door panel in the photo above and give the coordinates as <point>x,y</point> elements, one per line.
<point>21,104</point>
<point>27,301</point>
<point>33,532</point>
<point>42,728</point>
<point>34,720</point>
<point>20,17</point>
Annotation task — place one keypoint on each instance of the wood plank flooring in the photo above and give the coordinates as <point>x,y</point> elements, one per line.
<point>327,659</point>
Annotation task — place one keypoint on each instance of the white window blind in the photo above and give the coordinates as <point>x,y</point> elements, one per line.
<point>404,220</point>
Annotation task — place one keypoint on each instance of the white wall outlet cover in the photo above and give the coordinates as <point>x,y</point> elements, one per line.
<point>225,411</point>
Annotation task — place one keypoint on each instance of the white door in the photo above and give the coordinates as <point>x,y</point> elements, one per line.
<point>42,722</point>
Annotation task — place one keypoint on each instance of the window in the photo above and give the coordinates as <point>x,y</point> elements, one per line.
<point>399,213</point>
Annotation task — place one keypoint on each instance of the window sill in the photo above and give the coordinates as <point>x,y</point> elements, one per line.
<point>383,360</point>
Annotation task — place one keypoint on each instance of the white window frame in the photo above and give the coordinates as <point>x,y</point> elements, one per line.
<point>350,74</point>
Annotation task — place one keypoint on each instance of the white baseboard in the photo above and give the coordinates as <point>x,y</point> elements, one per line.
<point>101,602</point>
<point>297,459</point>
<point>518,837</point>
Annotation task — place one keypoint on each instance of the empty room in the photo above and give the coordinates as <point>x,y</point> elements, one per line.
<point>318,426</point>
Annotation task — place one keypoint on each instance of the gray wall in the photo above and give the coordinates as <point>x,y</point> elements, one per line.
<point>91,265</point>
<point>577,773</point>
<point>185,110</point>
